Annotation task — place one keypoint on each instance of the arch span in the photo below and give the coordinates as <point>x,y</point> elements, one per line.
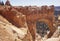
<point>50,24</point>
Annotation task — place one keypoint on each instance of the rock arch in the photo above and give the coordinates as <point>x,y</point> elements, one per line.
<point>33,14</point>
<point>50,24</point>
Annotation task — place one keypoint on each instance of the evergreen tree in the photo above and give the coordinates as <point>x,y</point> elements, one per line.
<point>8,3</point>
<point>1,3</point>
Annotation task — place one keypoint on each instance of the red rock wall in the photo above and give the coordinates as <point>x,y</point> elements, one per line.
<point>33,14</point>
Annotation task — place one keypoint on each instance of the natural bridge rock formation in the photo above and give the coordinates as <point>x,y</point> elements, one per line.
<point>42,14</point>
<point>25,18</point>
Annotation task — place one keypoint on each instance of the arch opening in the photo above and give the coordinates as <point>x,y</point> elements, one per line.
<point>42,28</point>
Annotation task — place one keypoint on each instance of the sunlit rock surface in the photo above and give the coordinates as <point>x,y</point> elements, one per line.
<point>19,24</point>
<point>10,32</point>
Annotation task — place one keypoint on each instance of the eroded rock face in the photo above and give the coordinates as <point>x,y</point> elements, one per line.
<point>34,13</point>
<point>4,20</point>
<point>9,32</point>
<point>13,33</point>
<point>28,15</point>
<point>57,32</point>
<point>5,35</point>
